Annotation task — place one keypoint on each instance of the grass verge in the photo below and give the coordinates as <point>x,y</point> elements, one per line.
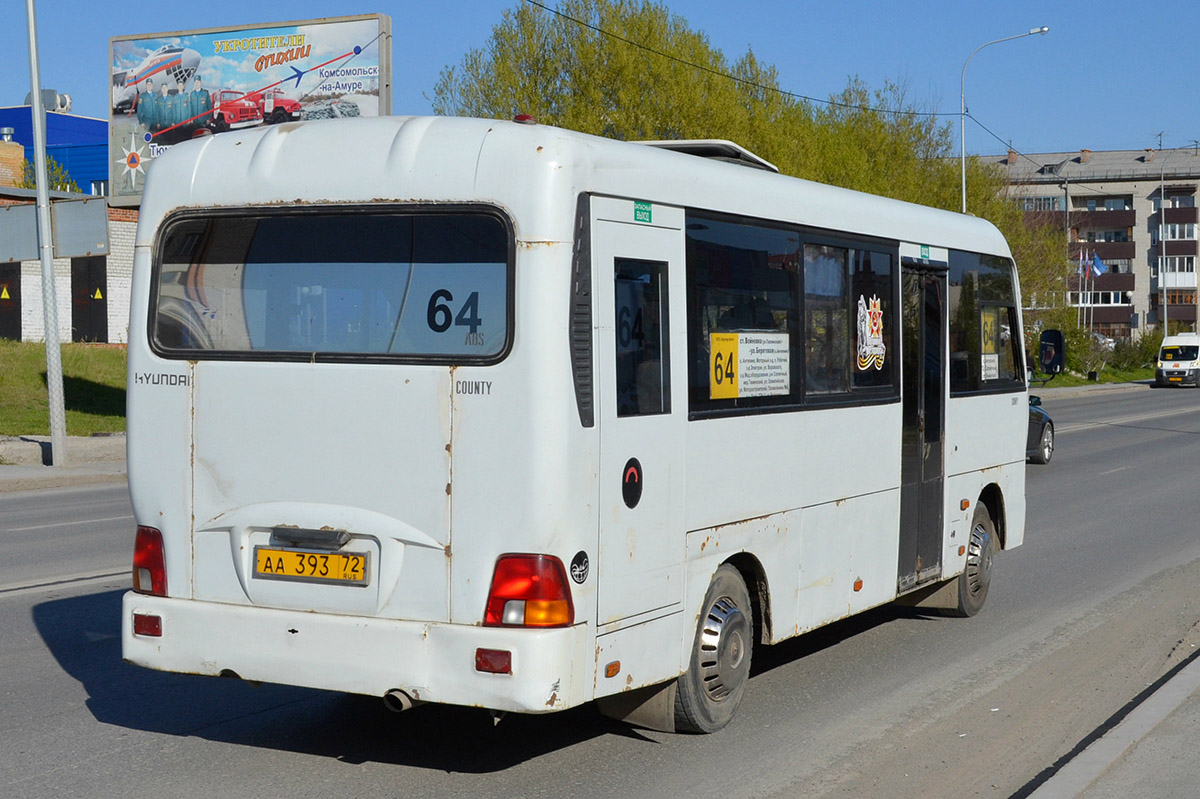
<point>93,388</point>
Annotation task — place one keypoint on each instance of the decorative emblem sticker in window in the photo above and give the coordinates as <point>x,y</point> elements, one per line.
<point>871,349</point>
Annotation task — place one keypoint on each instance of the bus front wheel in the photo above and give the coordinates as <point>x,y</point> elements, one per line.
<point>710,690</point>
<point>975,580</point>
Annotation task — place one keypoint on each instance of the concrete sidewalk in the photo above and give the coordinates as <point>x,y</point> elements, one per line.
<point>89,459</point>
<point>1051,391</point>
<point>1151,752</point>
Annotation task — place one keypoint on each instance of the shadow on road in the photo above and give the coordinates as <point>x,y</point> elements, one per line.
<point>786,652</point>
<point>83,634</point>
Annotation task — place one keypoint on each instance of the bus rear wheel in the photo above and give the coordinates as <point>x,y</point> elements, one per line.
<point>975,580</point>
<point>709,692</point>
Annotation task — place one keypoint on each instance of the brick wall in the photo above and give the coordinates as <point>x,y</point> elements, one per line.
<point>12,158</point>
<point>122,225</point>
<point>33,320</point>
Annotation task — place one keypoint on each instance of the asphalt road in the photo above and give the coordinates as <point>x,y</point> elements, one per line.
<point>1098,604</point>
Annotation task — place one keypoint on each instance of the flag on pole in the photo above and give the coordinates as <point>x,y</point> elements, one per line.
<point>1098,266</point>
<point>1082,265</point>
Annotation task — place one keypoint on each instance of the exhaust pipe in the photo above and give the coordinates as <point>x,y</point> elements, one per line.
<point>398,701</point>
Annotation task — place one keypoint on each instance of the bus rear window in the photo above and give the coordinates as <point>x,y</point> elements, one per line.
<point>424,286</point>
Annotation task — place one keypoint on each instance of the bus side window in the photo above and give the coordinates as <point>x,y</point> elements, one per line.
<point>983,319</point>
<point>643,348</point>
<point>826,320</point>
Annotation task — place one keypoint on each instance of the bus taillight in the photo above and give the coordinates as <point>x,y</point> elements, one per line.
<point>529,591</point>
<point>149,563</point>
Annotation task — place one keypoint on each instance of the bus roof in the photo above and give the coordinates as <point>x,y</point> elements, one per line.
<point>532,171</point>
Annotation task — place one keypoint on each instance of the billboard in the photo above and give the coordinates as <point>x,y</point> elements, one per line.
<point>170,87</point>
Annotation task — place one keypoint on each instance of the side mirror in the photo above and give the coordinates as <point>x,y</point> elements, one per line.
<point>1053,354</point>
<point>1035,401</point>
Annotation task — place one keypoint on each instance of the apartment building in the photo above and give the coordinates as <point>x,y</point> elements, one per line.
<point>1136,211</point>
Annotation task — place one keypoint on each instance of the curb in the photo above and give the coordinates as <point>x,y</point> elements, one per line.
<point>35,478</point>
<point>1068,392</point>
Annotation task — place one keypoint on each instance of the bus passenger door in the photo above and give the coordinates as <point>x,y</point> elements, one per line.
<point>923,309</point>
<point>637,261</point>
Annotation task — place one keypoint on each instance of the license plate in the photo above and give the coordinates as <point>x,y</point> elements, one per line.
<point>311,566</point>
<point>1175,379</point>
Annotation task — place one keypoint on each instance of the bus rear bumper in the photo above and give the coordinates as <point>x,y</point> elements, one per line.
<point>431,662</point>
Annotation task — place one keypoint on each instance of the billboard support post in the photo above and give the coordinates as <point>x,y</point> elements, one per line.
<point>54,376</point>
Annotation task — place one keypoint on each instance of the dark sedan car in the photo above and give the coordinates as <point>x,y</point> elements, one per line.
<point>1039,444</point>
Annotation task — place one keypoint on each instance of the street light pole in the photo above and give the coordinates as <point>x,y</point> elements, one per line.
<point>962,117</point>
<point>1162,232</point>
<point>54,377</point>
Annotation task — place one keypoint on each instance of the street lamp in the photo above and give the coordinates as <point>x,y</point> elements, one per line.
<point>962,118</point>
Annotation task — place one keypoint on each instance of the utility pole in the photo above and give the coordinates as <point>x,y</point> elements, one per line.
<point>1162,232</point>
<point>54,376</point>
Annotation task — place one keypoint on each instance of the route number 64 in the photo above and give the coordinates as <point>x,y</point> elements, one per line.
<point>440,315</point>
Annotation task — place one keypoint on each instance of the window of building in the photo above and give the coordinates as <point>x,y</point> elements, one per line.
<point>1174,232</point>
<point>1175,201</point>
<point>1042,203</point>
<point>1178,263</point>
<point>1094,298</point>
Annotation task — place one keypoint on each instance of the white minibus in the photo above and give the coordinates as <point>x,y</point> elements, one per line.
<point>1178,361</point>
<point>497,414</point>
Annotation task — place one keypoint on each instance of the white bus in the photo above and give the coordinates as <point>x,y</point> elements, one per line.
<point>497,414</point>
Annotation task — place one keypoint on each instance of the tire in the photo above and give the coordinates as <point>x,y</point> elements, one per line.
<point>975,580</point>
<point>1045,450</point>
<point>709,692</point>
<point>278,117</point>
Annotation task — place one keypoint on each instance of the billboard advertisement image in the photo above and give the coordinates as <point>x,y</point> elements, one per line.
<point>172,87</point>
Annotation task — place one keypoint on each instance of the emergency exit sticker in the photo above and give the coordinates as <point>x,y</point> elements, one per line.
<point>748,365</point>
<point>641,212</point>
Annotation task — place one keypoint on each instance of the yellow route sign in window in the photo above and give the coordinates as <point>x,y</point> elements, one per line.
<point>722,375</point>
<point>748,364</point>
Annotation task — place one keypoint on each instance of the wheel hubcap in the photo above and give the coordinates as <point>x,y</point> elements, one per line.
<point>1047,444</point>
<point>979,560</point>
<point>723,646</point>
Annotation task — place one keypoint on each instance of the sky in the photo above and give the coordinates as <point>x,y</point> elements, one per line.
<point>1107,76</point>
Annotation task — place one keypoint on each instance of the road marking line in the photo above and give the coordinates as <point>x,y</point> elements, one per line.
<point>1073,428</point>
<point>66,524</point>
<point>63,581</point>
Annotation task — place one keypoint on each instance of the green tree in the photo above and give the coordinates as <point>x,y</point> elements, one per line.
<point>673,84</point>
<point>650,76</point>
<point>59,179</point>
